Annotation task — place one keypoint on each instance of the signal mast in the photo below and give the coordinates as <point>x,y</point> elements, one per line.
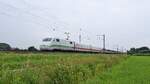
<point>104,40</point>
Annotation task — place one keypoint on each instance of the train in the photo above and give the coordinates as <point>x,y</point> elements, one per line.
<point>57,44</point>
<point>53,44</point>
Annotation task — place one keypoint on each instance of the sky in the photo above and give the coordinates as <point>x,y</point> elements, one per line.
<point>125,23</point>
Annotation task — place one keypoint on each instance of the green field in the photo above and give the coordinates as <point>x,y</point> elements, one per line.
<point>136,70</point>
<point>53,68</point>
<point>73,68</point>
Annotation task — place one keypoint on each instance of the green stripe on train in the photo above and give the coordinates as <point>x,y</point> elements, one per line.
<point>63,46</point>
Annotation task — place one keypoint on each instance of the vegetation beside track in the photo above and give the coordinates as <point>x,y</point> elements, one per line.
<point>53,68</point>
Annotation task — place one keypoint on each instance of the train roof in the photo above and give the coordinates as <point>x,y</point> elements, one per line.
<point>50,38</point>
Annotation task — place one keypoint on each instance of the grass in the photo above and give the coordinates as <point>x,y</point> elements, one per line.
<point>53,68</point>
<point>136,70</point>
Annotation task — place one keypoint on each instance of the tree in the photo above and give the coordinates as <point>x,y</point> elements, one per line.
<point>5,46</point>
<point>142,49</point>
<point>132,51</point>
<point>32,48</point>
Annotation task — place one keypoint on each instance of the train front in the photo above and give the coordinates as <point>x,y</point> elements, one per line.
<point>46,44</point>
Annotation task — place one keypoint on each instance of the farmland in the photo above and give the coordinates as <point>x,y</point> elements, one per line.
<point>135,70</point>
<point>53,68</point>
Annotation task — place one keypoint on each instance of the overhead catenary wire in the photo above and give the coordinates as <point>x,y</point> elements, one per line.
<point>57,25</point>
<point>32,15</point>
<point>6,13</point>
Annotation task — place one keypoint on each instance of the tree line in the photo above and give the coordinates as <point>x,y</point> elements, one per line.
<point>7,47</point>
<point>141,50</point>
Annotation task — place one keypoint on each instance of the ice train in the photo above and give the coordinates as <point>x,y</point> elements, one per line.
<point>52,44</point>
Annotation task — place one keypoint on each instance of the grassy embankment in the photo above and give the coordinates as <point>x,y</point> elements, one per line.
<point>136,70</point>
<point>53,68</point>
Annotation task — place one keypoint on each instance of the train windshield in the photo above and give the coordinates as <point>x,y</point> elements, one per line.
<point>47,39</point>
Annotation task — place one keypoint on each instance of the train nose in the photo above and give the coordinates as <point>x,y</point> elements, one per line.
<point>42,47</point>
<point>45,47</point>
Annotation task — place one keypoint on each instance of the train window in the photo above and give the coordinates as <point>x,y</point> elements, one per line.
<point>71,42</point>
<point>57,40</point>
<point>47,39</point>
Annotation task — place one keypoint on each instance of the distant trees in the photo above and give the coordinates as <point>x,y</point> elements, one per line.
<point>15,49</point>
<point>32,48</point>
<point>4,47</point>
<point>141,50</point>
<point>7,47</point>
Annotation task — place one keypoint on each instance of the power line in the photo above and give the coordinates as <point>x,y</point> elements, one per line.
<point>54,25</point>
<point>29,13</point>
<point>18,10</point>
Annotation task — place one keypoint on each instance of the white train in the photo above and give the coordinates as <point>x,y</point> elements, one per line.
<point>51,44</point>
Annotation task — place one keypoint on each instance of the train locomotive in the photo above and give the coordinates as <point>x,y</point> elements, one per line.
<point>53,44</point>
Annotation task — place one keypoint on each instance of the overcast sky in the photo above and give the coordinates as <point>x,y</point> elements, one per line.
<point>126,23</point>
